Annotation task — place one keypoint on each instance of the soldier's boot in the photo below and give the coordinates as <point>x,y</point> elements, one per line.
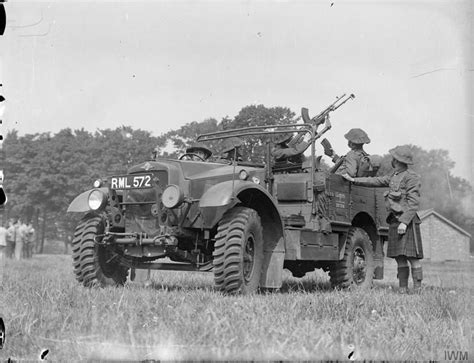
<point>417,275</point>
<point>403,274</point>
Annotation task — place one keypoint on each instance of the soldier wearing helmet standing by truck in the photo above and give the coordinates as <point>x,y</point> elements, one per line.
<point>356,163</point>
<point>402,201</point>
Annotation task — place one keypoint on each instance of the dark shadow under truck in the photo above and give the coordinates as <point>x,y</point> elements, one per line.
<point>244,222</point>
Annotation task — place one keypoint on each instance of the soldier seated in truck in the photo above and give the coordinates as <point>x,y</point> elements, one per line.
<point>283,152</point>
<point>231,151</point>
<point>197,152</point>
<point>356,162</point>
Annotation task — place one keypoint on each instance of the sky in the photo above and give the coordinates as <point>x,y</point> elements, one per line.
<point>159,65</point>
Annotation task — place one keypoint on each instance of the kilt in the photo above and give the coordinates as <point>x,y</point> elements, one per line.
<point>408,244</point>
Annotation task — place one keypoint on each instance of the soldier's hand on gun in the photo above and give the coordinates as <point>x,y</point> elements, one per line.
<point>348,177</point>
<point>402,228</point>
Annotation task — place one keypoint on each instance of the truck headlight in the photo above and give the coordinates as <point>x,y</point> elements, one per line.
<point>97,199</point>
<point>97,183</point>
<point>172,196</point>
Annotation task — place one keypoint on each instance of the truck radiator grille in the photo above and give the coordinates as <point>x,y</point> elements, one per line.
<point>143,206</point>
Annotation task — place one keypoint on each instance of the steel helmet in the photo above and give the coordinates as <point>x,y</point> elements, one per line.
<point>199,147</point>
<point>402,153</point>
<point>232,143</point>
<point>282,138</point>
<point>357,136</point>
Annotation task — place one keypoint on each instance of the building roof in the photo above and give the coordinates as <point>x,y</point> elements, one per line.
<point>428,212</point>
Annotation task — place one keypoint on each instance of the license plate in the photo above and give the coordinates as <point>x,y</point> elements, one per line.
<point>131,182</point>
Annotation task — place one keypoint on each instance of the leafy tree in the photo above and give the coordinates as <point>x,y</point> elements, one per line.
<point>258,115</point>
<point>253,115</point>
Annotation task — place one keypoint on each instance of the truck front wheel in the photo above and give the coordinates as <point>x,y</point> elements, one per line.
<point>357,266</point>
<point>94,264</point>
<point>238,252</point>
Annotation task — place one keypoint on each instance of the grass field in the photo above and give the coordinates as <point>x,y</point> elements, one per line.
<point>182,317</point>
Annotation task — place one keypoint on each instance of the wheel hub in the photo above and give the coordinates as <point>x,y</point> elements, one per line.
<point>248,258</point>
<point>359,266</point>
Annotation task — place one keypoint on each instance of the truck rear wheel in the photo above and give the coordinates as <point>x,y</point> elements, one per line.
<point>357,266</point>
<point>238,252</point>
<point>93,263</point>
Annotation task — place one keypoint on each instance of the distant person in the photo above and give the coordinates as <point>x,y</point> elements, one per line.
<point>3,249</point>
<point>231,149</point>
<point>29,240</point>
<point>402,201</point>
<point>19,242</point>
<point>12,235</point>
<point>200,150</point>
<point>356,163</point>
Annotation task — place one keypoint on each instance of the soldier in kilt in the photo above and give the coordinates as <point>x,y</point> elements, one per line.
<point>402,201</point>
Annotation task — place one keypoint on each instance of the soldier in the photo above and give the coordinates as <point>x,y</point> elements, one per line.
<point>356,162</point>
<point>283,152</point>
<point>202,152</point>
<point>402,200</point>
<point>19,239</point>
<point>29,240</point>
<point>11,238</point>
<point>231,149</point>
<point>3,248</point>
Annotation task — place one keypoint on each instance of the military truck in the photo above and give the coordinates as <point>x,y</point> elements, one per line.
<point>243,221</point>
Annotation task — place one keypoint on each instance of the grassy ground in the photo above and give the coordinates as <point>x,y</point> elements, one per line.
<point>181,317</point>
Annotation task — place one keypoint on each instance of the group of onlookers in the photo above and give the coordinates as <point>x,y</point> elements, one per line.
<point>17,240</point>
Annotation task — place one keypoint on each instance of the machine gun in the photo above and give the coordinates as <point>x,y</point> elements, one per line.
<point>321,117</point>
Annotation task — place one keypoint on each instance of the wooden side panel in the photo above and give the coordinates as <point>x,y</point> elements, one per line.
<point>339,198</point>
<point>291,191</point>
<point>362,200</point>
<point>293,187</point>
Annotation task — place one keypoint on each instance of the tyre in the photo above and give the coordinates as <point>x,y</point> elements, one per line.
<point>357,266</point>
<point>93,263</point>
<point>238,252</point>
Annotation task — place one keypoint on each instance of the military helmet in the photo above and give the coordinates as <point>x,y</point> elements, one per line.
<point>402,153</point>
<point>232,143</point>
<point>357,136</point>
<point>199,147</point>
<point>282,138</point>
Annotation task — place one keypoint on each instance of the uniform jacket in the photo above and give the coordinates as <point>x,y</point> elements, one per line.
<point>29,234</point>
<point>13,233</point>
<point>403,198</point>
<point>288,152</point>
<point>353,165</point>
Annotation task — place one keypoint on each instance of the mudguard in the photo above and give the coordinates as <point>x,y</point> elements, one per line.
<point>80,203</point>
<point>221,197</point>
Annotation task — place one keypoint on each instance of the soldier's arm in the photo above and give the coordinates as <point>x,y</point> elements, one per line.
<point>278,154</point>
<point>281,154</point>
<point>413,185</point>
<point>376,181</point>
<point>349,166</point>
<point>301,147</point>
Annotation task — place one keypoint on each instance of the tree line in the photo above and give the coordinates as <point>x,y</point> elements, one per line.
<point>45,171</point>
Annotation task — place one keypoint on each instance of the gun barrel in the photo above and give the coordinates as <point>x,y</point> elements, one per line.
<point>329,108</point>
<point>351,96</point>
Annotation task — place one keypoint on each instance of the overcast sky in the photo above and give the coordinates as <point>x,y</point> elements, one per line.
<point>159,65</point>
